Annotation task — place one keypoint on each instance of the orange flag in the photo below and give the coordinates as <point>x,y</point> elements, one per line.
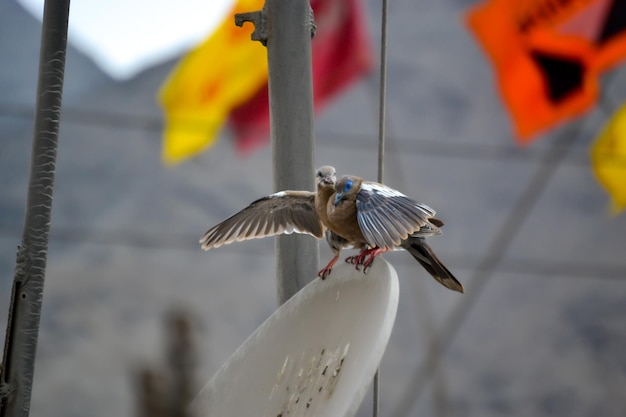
<point>548,55</point>
<point>219,74</point>
<point>341,54</point>
<point>608,159</point>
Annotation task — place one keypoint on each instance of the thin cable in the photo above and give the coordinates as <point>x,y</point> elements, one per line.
<point>383,93</point>
<point>339,140</point>
<point>376,391</point>
<point>381,153</point>
<point>189,243</point>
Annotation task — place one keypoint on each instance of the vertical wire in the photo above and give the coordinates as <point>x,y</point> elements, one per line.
<point>383,93</point>
<point>375,391</point>
<point>381,153</point>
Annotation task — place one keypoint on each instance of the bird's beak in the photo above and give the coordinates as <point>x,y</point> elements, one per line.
<point>338,198</point>
<point>328,181</point>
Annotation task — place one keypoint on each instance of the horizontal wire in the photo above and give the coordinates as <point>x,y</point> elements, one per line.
<point>467,150</point>
<point>189,243</point>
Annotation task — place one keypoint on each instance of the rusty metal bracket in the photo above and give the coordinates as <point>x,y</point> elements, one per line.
<point>259,20</point>
<point>311,21</point>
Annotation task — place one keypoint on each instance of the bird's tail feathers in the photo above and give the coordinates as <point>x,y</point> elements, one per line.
<point>419,249</point>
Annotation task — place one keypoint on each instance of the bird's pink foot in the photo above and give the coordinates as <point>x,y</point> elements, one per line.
<point>328,268</point>
<point>353,259</point>
<point>365,258</point>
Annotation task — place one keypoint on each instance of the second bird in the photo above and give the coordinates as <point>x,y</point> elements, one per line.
<point>379,218</point>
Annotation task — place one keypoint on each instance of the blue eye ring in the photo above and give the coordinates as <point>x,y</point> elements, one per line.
<point>348,185</point>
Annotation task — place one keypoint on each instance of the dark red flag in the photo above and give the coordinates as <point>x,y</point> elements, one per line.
<point>341,55</point>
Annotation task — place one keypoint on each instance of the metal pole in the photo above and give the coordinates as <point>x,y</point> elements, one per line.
<point>289,28</point>
<point>20,346</point>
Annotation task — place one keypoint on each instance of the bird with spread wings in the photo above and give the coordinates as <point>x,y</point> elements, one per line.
<point>350,212</point>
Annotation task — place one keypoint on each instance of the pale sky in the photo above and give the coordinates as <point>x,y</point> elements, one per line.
<point>125,37</point>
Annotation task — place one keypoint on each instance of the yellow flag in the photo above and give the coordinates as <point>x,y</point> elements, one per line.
<point>219,74</point>
<point>608,158</point>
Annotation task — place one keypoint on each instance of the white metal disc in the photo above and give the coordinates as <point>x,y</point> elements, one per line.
<point>314,356</point>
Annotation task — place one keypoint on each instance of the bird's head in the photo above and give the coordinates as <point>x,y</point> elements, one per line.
<point>345,187</point>
<point>325,176</point>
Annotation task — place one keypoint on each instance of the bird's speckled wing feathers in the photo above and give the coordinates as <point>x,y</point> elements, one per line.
<point>387,217</point>
<point>280,213</point>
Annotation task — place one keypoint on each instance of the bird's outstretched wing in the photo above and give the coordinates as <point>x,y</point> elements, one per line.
<point>280,213</point>
<point>387,217</point>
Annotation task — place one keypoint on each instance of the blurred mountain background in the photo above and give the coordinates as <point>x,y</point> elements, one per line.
<point>540,330</point>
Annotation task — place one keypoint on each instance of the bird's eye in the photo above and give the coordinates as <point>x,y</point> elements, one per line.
<point>348,185</point>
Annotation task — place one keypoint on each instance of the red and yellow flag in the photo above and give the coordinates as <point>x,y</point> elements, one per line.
<point>218,75</point>
<point>226,77</point>
<point>608,159</point>
<point>548,55</point>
